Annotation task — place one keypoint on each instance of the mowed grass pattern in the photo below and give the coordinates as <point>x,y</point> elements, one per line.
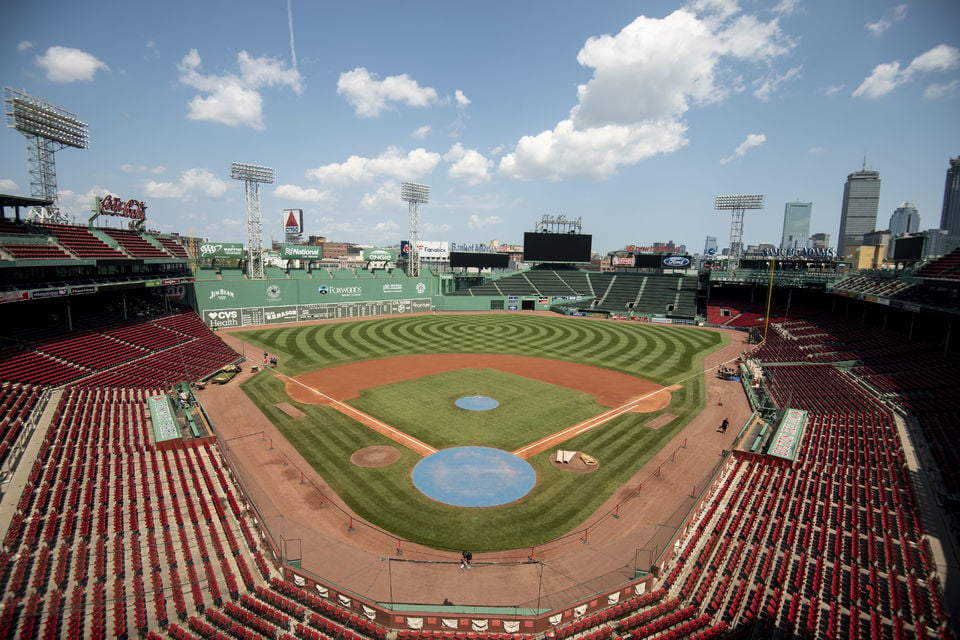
<point>387,498</point>
<point>425,408</point>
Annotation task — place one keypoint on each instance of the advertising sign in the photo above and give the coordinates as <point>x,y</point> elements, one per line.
<point>623,261</point>
<point>404,247</point>
<point>299,252</point>
<point>13,296</point>
<point>223,318</point>
<point>379,255</point>
<point>293,221</point>
<point>113,206</point>
<point>221,250</point>
<point>433,250</point>
<point>676,262</point>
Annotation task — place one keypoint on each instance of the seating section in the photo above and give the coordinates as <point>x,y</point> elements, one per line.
<point>946,267</point>
<point>81,241</point>
<point>114,537</point>
<point>173,247</point>
<point>30,248</point>
<point>135,245</point>
<point>143,353</point>
<point>17,403</point>
<point>20,364</point>
<point>831,545</point>
<point>646,294</point>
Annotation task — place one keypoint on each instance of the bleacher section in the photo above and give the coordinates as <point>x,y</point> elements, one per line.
<point>173,247</point>
<point>618,293</point>
<point>135,245</point>
<point>946,267</point>
<point>81,241</point>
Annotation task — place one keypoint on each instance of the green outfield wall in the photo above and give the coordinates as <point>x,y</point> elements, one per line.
<point>242,303</point>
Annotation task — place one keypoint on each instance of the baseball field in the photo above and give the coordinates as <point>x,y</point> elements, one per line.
<point>389,385</point>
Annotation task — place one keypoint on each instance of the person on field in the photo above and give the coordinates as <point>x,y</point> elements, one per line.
<point>465,559</point>
<point>723,426</point>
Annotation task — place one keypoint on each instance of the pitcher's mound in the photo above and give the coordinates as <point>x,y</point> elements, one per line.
<point>379,456</point>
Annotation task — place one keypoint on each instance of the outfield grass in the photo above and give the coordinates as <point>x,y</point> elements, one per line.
<point>386,496</point>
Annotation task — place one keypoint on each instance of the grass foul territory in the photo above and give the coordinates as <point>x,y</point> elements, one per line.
<point>529,410</point>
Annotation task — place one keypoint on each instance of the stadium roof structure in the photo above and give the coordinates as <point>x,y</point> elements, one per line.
<point>16,202</point>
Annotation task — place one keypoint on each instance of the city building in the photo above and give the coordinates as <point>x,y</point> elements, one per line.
<point>710,246</point>
<point>905,219</point>
<point>820,241</point>
<point>858,215</point>
<point>796,225</point>
<point>950,216</point>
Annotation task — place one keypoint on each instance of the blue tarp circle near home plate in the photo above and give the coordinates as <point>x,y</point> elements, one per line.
<point>474,476</point>
<point>476,403</point>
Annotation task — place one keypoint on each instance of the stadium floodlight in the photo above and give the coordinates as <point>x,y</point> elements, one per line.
<point>414,195</point>
<point>48,129</point>
<point>736,205</point>
<point>253,175</point>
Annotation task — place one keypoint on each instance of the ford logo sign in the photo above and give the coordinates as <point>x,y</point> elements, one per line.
<point>676,261</point>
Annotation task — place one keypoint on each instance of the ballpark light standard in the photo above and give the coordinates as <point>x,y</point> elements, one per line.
<point>737,204</point>
<point>48,129</point>
<point>253,176</point>
<point>414,194</point>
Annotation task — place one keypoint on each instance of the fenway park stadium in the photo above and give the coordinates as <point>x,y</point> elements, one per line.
<point>197,442</point>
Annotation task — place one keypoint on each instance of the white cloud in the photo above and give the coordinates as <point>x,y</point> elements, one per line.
<point>392,163</point>
<point>386,197</point>
<point>436,228</point>
<point>462,102</point>
<point>832,90</point>
<point>767,86</point>
<point>935,91</point>
<point>193,184</point>
<point>752,140</point>
<point>23,45</point>
<point>817,150</point>
<point>476,222</point>
<point>468,164</point>
<point>8,186</point>
<point>386,225</point>
<point>787,7</point>
<point>421,132</point>
<point>142,168</point>
<point>888,76</point>
<point>896,15</point>
<point>645,79</point>
<point>235,99</point>
<point>73,202</point>
<point>299,194</point>
<point>369,96</point>
<point>65,64</point>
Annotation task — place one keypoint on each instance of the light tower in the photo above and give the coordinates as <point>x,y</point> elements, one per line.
<point>414,194</point>
<point>48,129</point>
<point>737,204</point>
<point>253,176</point>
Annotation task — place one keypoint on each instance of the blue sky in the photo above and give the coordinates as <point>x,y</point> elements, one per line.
<point>631,115</point>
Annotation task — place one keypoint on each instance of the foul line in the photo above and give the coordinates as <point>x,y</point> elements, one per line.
<point>382,427</point>
<point>582,427</point>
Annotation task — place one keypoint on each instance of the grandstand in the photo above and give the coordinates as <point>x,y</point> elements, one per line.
<point>107,533</point>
